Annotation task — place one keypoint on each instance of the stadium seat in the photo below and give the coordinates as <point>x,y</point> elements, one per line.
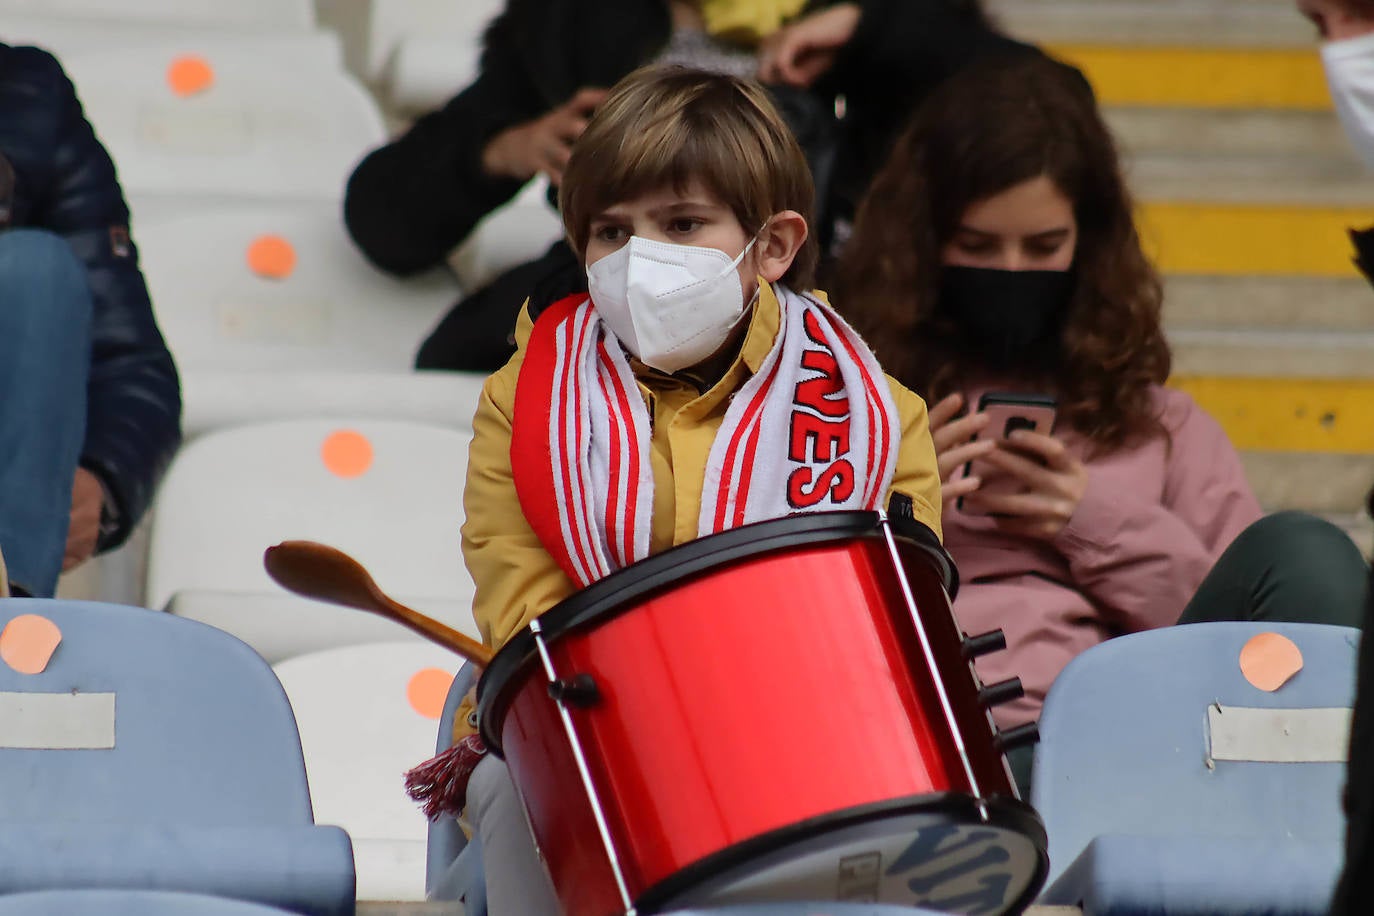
<point>386,492</point>
<point>143,752</point>
<point>378,39</point>
<point>68,37</point>
<point>269,16</point>
<point>367,714</point>
<point>220,399</point>
<point>519,231</point>
<point>1170,781</point>
<point>266,117</point>
<point>127,903</point>
<point>453,869</point>
<point>243,287</point>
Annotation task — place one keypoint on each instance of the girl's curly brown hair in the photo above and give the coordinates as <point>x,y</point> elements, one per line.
<point>986,130</point>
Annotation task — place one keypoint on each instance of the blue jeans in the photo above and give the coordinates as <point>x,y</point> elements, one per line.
<point>45,357</point>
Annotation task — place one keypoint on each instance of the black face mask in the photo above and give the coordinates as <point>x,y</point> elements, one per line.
<point>1007,317</point>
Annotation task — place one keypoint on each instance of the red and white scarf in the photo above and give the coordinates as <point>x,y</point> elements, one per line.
<point>814,430</point>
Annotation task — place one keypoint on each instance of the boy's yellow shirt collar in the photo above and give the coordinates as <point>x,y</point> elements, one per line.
<point>763,328</point>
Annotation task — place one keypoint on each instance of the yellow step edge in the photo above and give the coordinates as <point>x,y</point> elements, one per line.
<point>1289,414</point>
<point>1239,240</point>
<point>1199,77</point>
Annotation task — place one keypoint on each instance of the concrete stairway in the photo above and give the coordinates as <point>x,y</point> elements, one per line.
<point>1245,188</point>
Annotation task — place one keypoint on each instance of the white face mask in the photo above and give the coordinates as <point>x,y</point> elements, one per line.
<point>1350,74</point>
<point>670,305</point>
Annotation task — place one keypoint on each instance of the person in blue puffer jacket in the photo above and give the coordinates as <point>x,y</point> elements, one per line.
<point>90,404</point>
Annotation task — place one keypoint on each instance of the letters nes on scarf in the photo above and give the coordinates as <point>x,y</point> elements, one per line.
<point>815,430</point>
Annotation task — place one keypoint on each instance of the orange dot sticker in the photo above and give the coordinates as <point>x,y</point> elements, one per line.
<point>428,690</point>
<point>1268,660</point>
<point>190,74</point>
<point>346,453</point>
<point>271,256</point>
<point>28,642</point>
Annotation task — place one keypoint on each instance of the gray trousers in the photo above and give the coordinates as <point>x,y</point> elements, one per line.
<point>517,882</point>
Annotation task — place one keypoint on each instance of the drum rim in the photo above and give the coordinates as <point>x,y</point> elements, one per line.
<point>1002,813</point>
<point>605,598</point>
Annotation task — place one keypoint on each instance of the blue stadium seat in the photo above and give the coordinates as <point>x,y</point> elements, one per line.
<point>155,753</point>
<point>1170,784</point>
<point>127,903</point>
<point>454,869</point>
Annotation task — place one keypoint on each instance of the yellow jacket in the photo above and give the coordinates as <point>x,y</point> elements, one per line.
<point>517,579</point>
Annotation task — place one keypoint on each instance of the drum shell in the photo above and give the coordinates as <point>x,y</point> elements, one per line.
<point>751,697</point>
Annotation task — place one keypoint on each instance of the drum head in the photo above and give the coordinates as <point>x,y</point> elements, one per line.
<point>935,852</point>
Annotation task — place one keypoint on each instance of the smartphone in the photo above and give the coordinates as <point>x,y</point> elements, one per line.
<point>1009,411</point>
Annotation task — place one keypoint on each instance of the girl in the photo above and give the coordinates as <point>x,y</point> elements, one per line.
<point>996,251</point>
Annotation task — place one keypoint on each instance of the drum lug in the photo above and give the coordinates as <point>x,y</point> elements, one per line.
<point>984,644</point>
<point>1029,733</point>
<point>1001,692</point>
<point>580,690</point>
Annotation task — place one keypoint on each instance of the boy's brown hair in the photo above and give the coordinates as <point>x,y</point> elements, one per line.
<point>664,126</point>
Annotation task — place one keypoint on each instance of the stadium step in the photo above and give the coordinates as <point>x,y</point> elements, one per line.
<point>1246,187</point>
<point>1205,132</point>
<point>1128,23</point>
<point>1276,303</point>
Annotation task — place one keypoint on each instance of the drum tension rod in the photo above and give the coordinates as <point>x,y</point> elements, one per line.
<point>580,690</point>
<point>1001,692</point>
<point>1028,733</point>
<point>984,643</point>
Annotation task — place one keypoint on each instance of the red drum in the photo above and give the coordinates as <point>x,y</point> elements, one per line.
<point>783,711</point>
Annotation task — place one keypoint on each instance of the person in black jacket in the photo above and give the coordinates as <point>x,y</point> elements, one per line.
<point>544,66</point>
<point>90,407</point>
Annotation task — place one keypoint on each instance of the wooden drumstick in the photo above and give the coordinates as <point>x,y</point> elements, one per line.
<point>327,574</point>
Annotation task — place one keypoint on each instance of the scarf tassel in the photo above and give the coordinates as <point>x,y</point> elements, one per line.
<point>440,785</point>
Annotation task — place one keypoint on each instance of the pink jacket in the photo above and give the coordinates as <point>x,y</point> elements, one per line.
<point>1153,521</point>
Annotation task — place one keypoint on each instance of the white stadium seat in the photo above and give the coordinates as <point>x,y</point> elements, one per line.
<point>274,15</point>
<point>389,493</point>
<point>377,32</point>
<point>520,231</point>
<point>215,399</point>
<point>424,72</point>
<point>69,37</point>
<point>333,310</point>
<point>279,119</point>
<point>367,714</point>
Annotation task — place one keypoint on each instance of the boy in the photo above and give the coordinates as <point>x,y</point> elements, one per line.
<point>694,391</point>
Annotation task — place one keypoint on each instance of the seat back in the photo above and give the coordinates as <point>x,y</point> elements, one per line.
<point>1135,739</point>
<point>387,492</point>
<point>382,34</point>
<point>393,693</point>
<point>164,722</point>
<point>333,311</point>
<point>215,399</point>
<point>68,37</point>
<point>446,838</point>
<point>518,231</point>
<point>265,15</point>
<point>280,117</point>
<point>127,903</point>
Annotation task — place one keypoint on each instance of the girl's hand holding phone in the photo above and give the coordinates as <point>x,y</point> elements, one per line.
<point>955,446</point>
<point>1054,485</point>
